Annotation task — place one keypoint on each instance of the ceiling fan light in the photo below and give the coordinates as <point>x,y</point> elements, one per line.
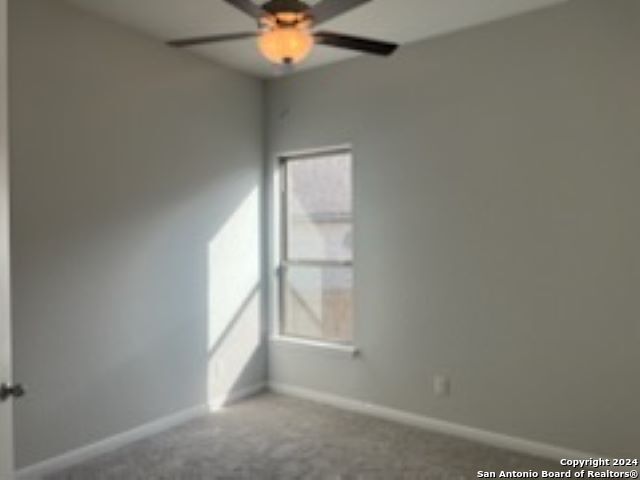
<point>286,45</point>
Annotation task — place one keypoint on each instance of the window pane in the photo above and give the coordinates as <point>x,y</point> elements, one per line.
<point>319,208</point>
<point>318,303</point>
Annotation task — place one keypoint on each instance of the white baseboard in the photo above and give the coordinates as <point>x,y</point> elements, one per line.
<point>529,447</point>
<point>83,454</point>
<point>36,471</point>
<point>521,445</point>
<point>236,395</point>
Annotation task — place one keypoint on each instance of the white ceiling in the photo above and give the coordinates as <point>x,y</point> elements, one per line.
<point>402,21</point>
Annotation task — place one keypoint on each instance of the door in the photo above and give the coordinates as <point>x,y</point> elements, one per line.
<point>6,443</point>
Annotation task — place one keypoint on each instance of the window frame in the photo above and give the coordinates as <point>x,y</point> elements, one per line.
<point>284,262</point>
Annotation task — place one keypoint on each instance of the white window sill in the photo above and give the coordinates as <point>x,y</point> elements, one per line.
<point>349,350</point>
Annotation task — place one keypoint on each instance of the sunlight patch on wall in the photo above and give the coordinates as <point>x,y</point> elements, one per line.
<point>233,299</point>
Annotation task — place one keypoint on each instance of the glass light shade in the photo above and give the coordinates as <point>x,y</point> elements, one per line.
<point>286,45</point>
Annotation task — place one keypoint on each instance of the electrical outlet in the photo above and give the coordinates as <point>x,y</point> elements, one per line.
<point>441,385</point>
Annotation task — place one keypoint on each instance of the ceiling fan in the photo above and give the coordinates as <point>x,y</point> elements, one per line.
<point>285,35</point>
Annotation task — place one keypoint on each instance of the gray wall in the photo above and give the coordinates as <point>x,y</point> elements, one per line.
<point>497,227</point>
<point>134,175</point>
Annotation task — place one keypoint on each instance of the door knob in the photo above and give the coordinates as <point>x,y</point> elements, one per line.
<point>7,391</point>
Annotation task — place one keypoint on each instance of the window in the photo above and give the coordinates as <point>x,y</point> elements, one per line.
<point>316,275</point>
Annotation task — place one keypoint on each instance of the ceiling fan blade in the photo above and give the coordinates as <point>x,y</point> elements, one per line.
<point>248,7</point>
<point>187,42</point>
<point>328,9</point>
<point>366,45</point>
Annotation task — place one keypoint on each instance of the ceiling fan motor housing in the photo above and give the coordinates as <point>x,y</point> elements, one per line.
<point>289,6</point>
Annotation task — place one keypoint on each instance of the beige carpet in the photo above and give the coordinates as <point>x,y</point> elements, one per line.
<point>280,438</point>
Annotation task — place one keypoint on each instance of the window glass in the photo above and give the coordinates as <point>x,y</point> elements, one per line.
<point>319,208</point>
<point>316,278</point>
